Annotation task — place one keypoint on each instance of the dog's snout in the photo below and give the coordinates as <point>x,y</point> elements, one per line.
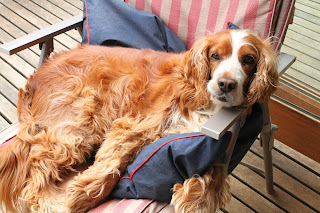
<point>227,84</point>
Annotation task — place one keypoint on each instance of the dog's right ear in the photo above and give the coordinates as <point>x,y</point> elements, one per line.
<point>198,60</point>
<point>196,72</point>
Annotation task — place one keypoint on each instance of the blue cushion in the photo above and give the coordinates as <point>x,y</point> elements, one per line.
<point>232,26</point>
<point>115,23</point>
<point>175,158</point>
<point>167,161</point>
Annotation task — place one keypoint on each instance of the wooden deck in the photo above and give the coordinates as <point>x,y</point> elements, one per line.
<point>302,40</point>
<point>297,178</point>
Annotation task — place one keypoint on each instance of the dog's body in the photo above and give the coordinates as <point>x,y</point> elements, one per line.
<point>118,100</point>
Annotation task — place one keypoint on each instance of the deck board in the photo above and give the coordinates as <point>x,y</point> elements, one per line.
<point>306,41</point>
<point>12,76</point>
<point>10,111</point>
<point>47,16</point>
<point>67,7</point>
<point>296,177</point>
<point>309,6</point>
<point>312,165</point>
<point>281,198</point>
<point>305,60</point>
<point>251,197</point>
<point>78,4</point>
<point>293,169</point>
<point>307,50</point>
<point>3,122</point>
<point>27,55</point>
<point>236,204</point>
<point>305,30</point>
<point>38,23</point>
<point>290,187</point>
<point>9,91</point>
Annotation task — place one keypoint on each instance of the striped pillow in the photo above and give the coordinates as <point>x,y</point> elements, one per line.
<point>133,206</point>
<point>194,18</point>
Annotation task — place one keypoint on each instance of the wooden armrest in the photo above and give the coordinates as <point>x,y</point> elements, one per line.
<point>220,122</point>
<point>9,132</point>
<point>42,35</point>
<point>284,62</point>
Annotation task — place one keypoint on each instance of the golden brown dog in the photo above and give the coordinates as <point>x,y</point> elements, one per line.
<point>116,101</point>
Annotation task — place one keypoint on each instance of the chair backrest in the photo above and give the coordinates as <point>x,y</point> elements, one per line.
<point>194,18</point>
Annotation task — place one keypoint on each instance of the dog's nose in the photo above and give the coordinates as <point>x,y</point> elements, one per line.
<point>226,84</point>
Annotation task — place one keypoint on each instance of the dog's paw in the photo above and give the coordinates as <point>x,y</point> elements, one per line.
<point>86,191</point>
<point>190,198</point>
<point>79,199</point>
<point>47,205</point>
<point>202,194</point>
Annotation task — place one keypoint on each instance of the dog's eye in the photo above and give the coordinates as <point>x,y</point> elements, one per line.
<point>215,56</point>
<point>248,59</point>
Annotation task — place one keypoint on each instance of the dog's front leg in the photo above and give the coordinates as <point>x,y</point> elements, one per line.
<point>119,149</point>
<point>202,194</point>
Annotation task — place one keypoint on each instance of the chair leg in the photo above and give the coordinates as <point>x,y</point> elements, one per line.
<point>267,139</point>
<point>46,48</point>
<point>268,170</point>
<point>235,129</point>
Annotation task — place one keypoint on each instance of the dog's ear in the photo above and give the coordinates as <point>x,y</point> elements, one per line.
<point>196,72</point>
<point>265,79</point>
<point>197,60</point>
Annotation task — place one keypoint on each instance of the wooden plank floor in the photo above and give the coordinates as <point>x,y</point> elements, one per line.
<point>18,18</point>
<point>303,40</point>
<point>297,178</point>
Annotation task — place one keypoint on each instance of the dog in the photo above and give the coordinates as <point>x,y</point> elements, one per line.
<point>114,101</point>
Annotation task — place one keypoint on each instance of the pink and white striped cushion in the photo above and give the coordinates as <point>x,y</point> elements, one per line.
<point>133,206</point>
<point>193,19</point>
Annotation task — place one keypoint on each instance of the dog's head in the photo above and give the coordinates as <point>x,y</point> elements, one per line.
<point>239,67</point>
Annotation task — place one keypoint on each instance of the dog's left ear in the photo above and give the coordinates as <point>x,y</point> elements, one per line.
<point>265,79</point>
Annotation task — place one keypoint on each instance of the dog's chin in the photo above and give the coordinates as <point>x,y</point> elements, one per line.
<point>227,100</point>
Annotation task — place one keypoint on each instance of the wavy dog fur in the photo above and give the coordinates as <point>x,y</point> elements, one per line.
<point>115,101</point>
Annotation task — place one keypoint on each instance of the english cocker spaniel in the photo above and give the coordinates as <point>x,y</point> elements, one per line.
<point>114,101</point>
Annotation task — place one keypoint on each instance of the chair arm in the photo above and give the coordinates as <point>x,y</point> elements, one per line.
<point>41,36</point>
<point>284,62</point>
<point>9,132</point>
<point>220,122</point>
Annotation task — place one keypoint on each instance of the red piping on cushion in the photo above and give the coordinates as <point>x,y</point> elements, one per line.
<point>87,24</point>
<point>230,139</point>
<point>148,158</point>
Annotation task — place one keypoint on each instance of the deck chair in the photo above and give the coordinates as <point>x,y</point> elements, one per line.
<point>189,21</point>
